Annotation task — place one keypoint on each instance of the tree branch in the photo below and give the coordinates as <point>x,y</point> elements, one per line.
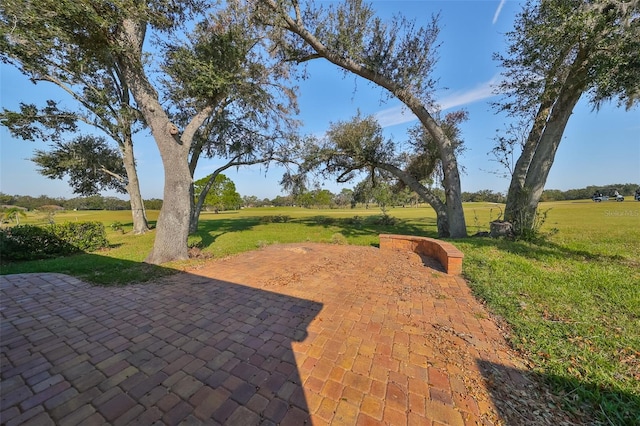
<point>305,58</point>
<point>116,176</point>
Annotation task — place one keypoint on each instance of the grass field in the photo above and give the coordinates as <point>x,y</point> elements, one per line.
<point>571,299</point>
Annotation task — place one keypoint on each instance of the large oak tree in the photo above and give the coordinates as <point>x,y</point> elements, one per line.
<point>104,41</point>
<point>395,55</point>
<point>559,51</point>
<point>115,37</point>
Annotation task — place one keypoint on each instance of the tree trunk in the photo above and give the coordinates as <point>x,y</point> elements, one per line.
<point>140,224</point>
<point>442,214</point>
<point>194,216</point>
<point>453,192</point>
<point>533,166</point>
<point>196,151</point>
<point>196,205</point>
<point>544,156</point>
<point>457,227</point>
<point>172,228</point>
<point>516,192</point>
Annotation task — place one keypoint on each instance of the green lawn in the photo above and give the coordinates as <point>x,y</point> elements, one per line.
<point>572,299</point>
<point>573,302</point>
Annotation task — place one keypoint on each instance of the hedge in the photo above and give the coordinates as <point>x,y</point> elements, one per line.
<point>29,242</point>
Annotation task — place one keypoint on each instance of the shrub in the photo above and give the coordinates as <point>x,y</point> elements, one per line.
<point>85,236</point>
<point>29,242</point>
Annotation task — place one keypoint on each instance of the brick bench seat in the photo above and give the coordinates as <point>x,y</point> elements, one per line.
<point>446,253</point>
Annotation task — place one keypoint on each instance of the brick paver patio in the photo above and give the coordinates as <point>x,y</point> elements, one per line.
<point>290,334</point>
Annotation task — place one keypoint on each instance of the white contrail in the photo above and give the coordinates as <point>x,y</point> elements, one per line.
<point>498,10</point>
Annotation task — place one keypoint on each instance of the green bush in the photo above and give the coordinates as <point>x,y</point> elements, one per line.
<point>117,226</point>
<point>85,236</point>
<point>29,242</point>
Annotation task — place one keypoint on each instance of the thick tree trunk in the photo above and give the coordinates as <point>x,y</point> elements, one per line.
<point>452,187</point>
<point>545,154</point>
<point>516,192</point>
<point>172,228</point>
<point>140,224</point>
<point>534,165</point>
<point>453,193</point>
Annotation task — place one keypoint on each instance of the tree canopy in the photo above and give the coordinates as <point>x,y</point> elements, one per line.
<point>395,55</point>
<point>558,51</point>
<point>222,195</point>
<point>351,148</point>
<point>60,49</point>
<point>224,62</point>
<point>88,161</point>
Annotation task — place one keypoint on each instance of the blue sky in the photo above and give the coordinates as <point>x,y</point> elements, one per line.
<point>598,148</point>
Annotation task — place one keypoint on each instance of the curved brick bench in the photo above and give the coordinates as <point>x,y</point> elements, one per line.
<point>446,253</point>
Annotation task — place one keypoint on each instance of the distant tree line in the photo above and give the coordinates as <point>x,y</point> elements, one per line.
<point>484,195</point>
<point>361,195</point>
<point>93,202</point>
<point>584,193</point>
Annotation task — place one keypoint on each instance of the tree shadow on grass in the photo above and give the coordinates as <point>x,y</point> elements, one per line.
<point>210,230</point>
<point>183,348</point>
<point>523,397</point>
<point>372,225</point>
<point>540,249</point>
<point>100,270</point>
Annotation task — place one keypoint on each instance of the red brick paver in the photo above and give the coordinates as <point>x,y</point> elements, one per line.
<point>290,334</point>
